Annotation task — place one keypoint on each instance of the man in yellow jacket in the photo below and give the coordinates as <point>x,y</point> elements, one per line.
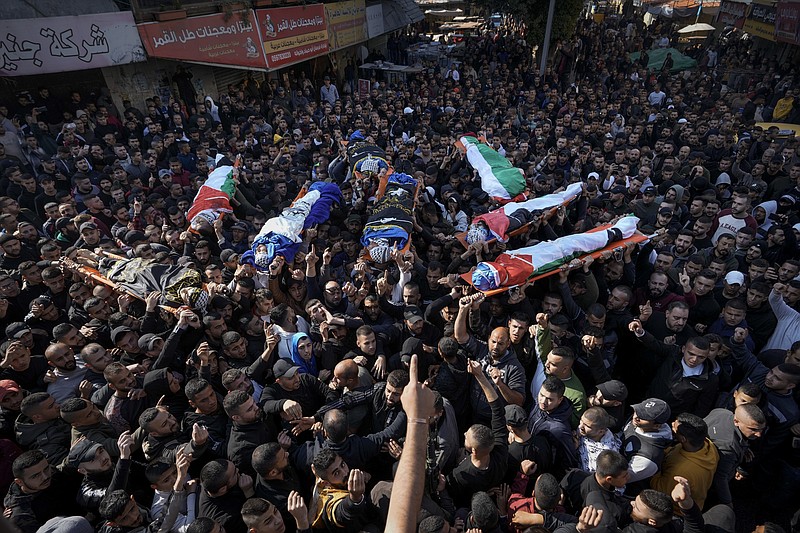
<point>694,457</point>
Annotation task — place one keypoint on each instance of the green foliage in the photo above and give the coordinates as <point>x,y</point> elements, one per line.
<point>534,14</point>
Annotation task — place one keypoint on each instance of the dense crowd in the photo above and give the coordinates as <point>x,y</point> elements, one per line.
<point>634,391</point>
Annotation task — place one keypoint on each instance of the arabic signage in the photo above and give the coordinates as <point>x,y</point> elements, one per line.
<point>732,13</point>
<point>761,22</point>
<point>293,34</point>
<point>347,23</point>
<point>787,22</point>
<point>61,44</point>
<point>374,20</point>
<point>206,39</point>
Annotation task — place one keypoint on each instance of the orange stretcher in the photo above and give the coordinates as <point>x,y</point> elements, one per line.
<point>616,246</point>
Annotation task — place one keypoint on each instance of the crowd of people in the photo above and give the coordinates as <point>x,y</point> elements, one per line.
<point>639,391</point>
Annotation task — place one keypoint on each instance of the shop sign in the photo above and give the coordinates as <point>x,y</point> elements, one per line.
<point>62,44</point>
<point>293,34</point>
<point>206,39</point>
<point>732,13</point>
<point>787,22</point>
<point>761,22</point>
<point>347,23</point>
<point>374,20</point>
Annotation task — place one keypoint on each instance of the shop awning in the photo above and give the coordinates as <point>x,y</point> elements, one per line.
<point>400,13</point>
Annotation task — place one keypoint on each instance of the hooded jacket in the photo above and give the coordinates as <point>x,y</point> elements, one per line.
<point>770,207</point>
<point>555,426</point>
<point>698,467</point>
<point>156,385</point>
<point>51,437</point>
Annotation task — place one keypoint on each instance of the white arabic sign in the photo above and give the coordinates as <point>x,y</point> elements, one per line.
<point>61,44</point>
<point>374,20</point>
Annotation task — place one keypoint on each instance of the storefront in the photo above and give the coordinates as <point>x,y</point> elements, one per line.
<point>787,29</point>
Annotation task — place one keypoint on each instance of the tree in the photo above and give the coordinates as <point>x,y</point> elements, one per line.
<point>533,13</point>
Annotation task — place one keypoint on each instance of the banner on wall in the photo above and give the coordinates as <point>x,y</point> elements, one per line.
<point>761,22</point>
<point>347,23</point>
<point>732,13</point>
<point>787,22</point>
<point>62,44</point>
<point>206,39</point>
<point>293,34</point>
<point>374,20</point>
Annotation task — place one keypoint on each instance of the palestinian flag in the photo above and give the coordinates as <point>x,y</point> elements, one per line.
<point>214,197</point>
<point>499,179</point>
<point>515,267</point>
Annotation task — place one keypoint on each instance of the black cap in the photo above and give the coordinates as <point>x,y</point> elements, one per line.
<point>284,368</point>
<point>516,416</point>
<point>82,451</point>
<point>665,211</point>
<point>413,314</point>
<point>15,330</point>
<point>118,332</point>
<point>613,390</point>
<point>649,191</point>
<point>619,189</point>
<point>653,410</point>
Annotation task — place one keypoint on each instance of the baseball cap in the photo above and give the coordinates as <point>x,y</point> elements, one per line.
<point>649,191</point>
<point>241,226</point>
<point>88,225</point>
<point>164,172</point>
<point>413,314</point>
<point>83,451</point>
<point>134,236</point>
<point>516,416</point>
<point>613,390</point>
<point>147,341</point>
<point>665,211</point>
<point>734,277</point>
<point>653,410</point>
<point>283,368</point>
<point>16,330</point>
<point>227,254</point>
<point>682,121</point>
<point>593,176</point>
<point>408,111</point>
<point>118,332</point>
<point>619,189</point>
<point>7,386</point>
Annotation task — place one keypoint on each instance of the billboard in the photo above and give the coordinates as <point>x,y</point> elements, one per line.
<point>62,44</point>
<point>206,39</point>
<point>293,34</point>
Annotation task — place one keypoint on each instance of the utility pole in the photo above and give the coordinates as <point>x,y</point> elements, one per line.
<point>547,32</point>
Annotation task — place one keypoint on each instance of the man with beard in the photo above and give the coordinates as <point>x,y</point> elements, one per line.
<point>13,253</point>
<point>672,325</point>
<point>100,475</point>
<point>736,217</point>
<point>128,401</point>
<point>658,295</point>
<point>208,413</point>
<point>39,426</point>
<point>87,421</point>
<point>65,378</point>
<point>341,502</point>
<point>164,437</point>
<point>248,431</point>
<point>495,358</point>
<point>37,494</point>
<point>277,477</point>
<point>121,514</point>
<point>295,396</point>
<point>380,322</point>
<point>706,310</point>
<point>731,433</point>
<point>722,251</point>
<point>682,249</point>
<point>760,316</point>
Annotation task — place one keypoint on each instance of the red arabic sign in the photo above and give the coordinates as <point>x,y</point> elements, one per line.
<point>293,34</point>
<point>787,22</point>
<point>206,39</point>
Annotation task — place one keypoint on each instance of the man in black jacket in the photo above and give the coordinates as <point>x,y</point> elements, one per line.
<point>223,493</point>
<point>248,431</point>
<point>37,494</point>
<point>208,413</point>
<point>486,465</point>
